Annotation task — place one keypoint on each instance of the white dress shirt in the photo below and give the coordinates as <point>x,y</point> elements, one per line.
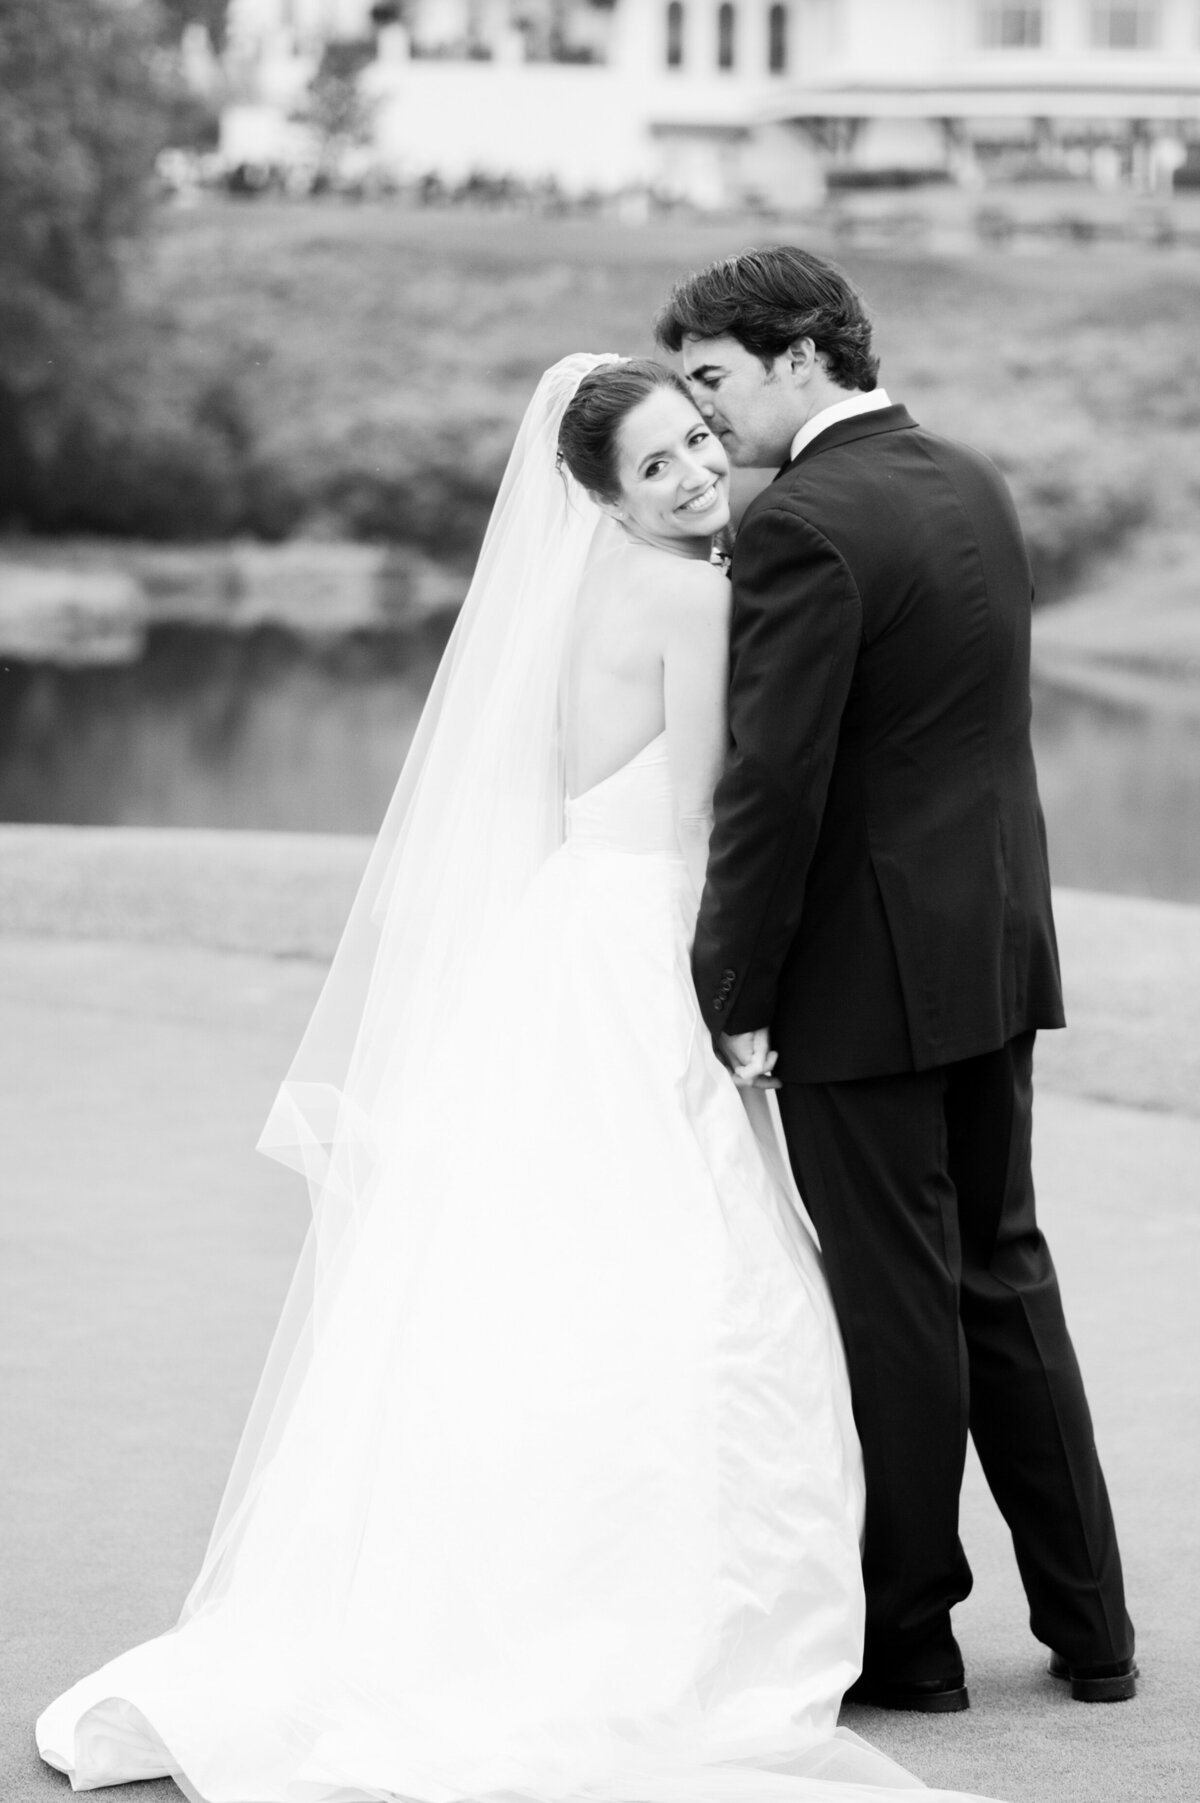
<point>829,416</point>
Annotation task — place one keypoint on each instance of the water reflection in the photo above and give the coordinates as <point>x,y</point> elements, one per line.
<point>1121,792</point>
<point>211,728</point>
<point>266,729</point>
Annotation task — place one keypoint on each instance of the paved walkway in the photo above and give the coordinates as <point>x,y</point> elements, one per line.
<point>146,1251</point>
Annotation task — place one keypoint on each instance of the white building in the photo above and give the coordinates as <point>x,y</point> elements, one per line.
<point>1059,78</point>
<point>723,100</point>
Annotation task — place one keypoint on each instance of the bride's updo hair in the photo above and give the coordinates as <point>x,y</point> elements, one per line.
<point>587,437</point>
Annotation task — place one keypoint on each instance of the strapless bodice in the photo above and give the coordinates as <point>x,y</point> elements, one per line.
<point>633,810</point>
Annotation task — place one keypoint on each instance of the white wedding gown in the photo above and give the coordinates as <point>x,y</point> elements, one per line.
<point>567,1504</point>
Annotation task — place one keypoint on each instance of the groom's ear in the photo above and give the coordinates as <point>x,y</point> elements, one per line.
<point>802,359</point>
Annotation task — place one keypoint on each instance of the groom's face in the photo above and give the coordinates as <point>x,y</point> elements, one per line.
<point>751,408</point>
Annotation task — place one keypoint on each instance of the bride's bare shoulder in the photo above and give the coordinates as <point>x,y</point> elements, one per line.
<point>690,585</point>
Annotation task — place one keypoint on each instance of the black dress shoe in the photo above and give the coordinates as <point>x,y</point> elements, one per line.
<point>1114,1683</point>
<point>929,1696</point>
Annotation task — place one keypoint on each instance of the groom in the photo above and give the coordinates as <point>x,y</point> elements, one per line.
<point>878,902</point>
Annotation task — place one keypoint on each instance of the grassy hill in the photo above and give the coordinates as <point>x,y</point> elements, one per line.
<point>359,371</point>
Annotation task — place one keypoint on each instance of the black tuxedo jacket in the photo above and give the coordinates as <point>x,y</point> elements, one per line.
<point>878,890</point>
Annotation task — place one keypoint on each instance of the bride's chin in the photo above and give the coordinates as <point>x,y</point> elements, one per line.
<point>679,533</point>
<point>707,525</point>
<point>689,540</point>
<point>687,527</point>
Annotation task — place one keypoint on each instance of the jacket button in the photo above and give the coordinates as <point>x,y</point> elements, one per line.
<point>728,975</point>
<point>718,1003</point>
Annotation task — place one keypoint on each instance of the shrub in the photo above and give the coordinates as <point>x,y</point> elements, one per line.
<point>82,122</point>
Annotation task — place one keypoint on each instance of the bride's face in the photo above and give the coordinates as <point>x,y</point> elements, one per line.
<point>673,473</point>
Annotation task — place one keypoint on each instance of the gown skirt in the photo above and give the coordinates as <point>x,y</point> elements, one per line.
<point>567,1502</point>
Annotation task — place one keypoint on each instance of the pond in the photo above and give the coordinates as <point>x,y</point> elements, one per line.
<point>266,728</point>
<point>260,728</point>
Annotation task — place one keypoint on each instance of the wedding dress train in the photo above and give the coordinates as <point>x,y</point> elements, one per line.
<point>567,1503</point>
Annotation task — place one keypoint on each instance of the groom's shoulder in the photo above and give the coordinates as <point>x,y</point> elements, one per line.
<point>790,504</point>
<point>976,480</point>
<point>888,462</point>
<point>955,452</point>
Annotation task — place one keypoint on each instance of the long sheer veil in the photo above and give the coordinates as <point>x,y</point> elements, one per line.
<point>477,810</point>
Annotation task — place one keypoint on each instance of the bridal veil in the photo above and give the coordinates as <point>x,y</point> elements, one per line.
<point>476,811</point>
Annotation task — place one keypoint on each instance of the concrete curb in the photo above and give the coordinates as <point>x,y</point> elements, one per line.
<point>1131,966</point>
<point>280,894</point>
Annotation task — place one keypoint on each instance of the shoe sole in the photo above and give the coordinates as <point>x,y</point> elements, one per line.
<point>939,1702</point>
<point>945,1702</point>
<point>1099,1690</point>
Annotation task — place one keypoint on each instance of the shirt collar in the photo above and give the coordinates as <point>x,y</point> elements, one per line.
<point>829,416</point>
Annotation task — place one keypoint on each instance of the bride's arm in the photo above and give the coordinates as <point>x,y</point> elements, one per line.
<point>695,679</point>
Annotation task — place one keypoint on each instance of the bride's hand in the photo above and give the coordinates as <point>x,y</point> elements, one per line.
<point>750,1058</point>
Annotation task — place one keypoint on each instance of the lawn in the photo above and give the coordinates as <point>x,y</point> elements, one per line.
<point>359,371</point>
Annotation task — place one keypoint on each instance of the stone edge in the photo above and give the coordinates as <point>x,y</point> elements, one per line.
<point>1131,965</point>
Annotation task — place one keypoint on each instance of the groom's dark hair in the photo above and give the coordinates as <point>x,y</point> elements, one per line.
<point>767,299</point>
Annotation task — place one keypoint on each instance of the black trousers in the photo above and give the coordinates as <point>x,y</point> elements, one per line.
<point>921,1190</point>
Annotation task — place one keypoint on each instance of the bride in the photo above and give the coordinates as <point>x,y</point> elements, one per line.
<point>551,1489</point>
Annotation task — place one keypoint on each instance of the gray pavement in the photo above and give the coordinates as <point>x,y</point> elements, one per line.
<point>145,1018</point>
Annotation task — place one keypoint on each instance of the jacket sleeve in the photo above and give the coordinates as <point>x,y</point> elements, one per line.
<point>795,634</point>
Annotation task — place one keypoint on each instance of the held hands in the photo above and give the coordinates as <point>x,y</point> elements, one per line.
<point>750,1058</point>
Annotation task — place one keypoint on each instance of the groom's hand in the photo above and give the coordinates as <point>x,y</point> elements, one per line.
<point>750,1058</point>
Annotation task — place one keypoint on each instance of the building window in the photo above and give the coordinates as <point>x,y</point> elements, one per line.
<point>675,35</point>
<point>777,46</point>
<point>1116,27</point>
<point>725,35</point>
<point>1009,27</point>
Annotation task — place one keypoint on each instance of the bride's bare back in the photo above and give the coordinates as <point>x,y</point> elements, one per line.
<point>648,654</point>
<point>649,643</point>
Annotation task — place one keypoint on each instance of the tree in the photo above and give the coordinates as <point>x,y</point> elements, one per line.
<point>83,100</point>
<point>212,14</point>
<point>338,111</point>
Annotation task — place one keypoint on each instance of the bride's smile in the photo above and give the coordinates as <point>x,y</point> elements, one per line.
<point>702,502</point>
